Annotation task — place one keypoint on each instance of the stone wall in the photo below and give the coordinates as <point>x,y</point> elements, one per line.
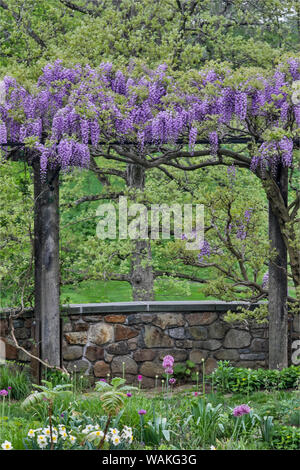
<point>101,339</point>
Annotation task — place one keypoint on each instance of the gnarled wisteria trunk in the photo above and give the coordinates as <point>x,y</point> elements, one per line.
<point>46,254</point>
<point>141,274</point>
<point>278,315</point>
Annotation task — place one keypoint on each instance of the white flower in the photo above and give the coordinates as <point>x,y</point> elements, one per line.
<point>42,445</point>
<point>64,435</point>
<point>72,439</point>
<point>114,431</point>
<point>88,429</point>
<point>31,433</point>
<point>42,441</point>
<point>46,431</point>
<point>212,448</point>
<point>6,445</point>
<point>116,440</point>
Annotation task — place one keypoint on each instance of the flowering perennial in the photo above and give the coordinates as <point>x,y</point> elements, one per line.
<point>73,110</point>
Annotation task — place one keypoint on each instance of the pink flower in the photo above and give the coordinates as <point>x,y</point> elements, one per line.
<point>169,370</point>
<point>140,378</point>
<point>172,381</point>
<point>195,394</point>
<point>129,394</point>
<point>3,393</point>
<point>142,412</point>
<point>241,410</point>
<point>168,361</point>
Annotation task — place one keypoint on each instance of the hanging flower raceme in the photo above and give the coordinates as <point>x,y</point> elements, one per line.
<point>73,109</point>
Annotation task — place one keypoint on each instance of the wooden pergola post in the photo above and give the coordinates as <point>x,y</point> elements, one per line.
<point>47,274</point>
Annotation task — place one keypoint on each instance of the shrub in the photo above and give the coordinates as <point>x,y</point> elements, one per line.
<point>227,378</point>
<point>286,437</point>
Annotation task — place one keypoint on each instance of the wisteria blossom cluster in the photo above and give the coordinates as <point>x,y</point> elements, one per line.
<point>71,110</point>
<point>41,437</point>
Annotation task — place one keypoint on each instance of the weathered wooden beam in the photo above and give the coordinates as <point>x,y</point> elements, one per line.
<point>46,254</point>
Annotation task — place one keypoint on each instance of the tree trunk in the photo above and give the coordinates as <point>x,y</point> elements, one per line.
<point>46,253</point>
<point>278,318</point>
<point>141,275</point>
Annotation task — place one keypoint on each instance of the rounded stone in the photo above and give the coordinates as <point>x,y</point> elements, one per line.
<point>124,332</point>
<point>78,366</point>
<point>201,318</point>
<point>151,369</point>
<point>130,365</point>
<point>178,354</point>
<point>227,355</point>
<point>197,332</point>
<point>119,349</point>
<point>79,337</point>
<point>70,353</point>
<point>115,318</point>
<point>237,339</point>
<point>259,345</point>
<point>155,338</point>
<point>177,333</point>
<point>197,356</point>
<point>164,320</point>
<point>94,353</point>
<point>217,330</point>
<point>101,369</point>
<point>144,355</point>
<point>210,365</point>
<point>100,333</point>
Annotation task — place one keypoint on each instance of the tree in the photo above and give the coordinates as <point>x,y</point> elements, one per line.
<point>145,118</point>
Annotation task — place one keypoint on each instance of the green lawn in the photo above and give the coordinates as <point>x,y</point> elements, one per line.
<point>118,291</point>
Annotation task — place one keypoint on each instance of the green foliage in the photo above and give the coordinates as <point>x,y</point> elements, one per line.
<point>246,315</point>
<point>183,372</point>
<point>17,377</point>
<point>47,392</point>
<point>227,378</point>
<point>286,437</point>
<point>156,431</point>
<point>207,420</point>
<point>113,395</point>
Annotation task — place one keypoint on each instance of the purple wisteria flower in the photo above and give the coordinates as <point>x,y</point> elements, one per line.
<point>74,109</point>
<point>241,410</point>
<point>265,280</point>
